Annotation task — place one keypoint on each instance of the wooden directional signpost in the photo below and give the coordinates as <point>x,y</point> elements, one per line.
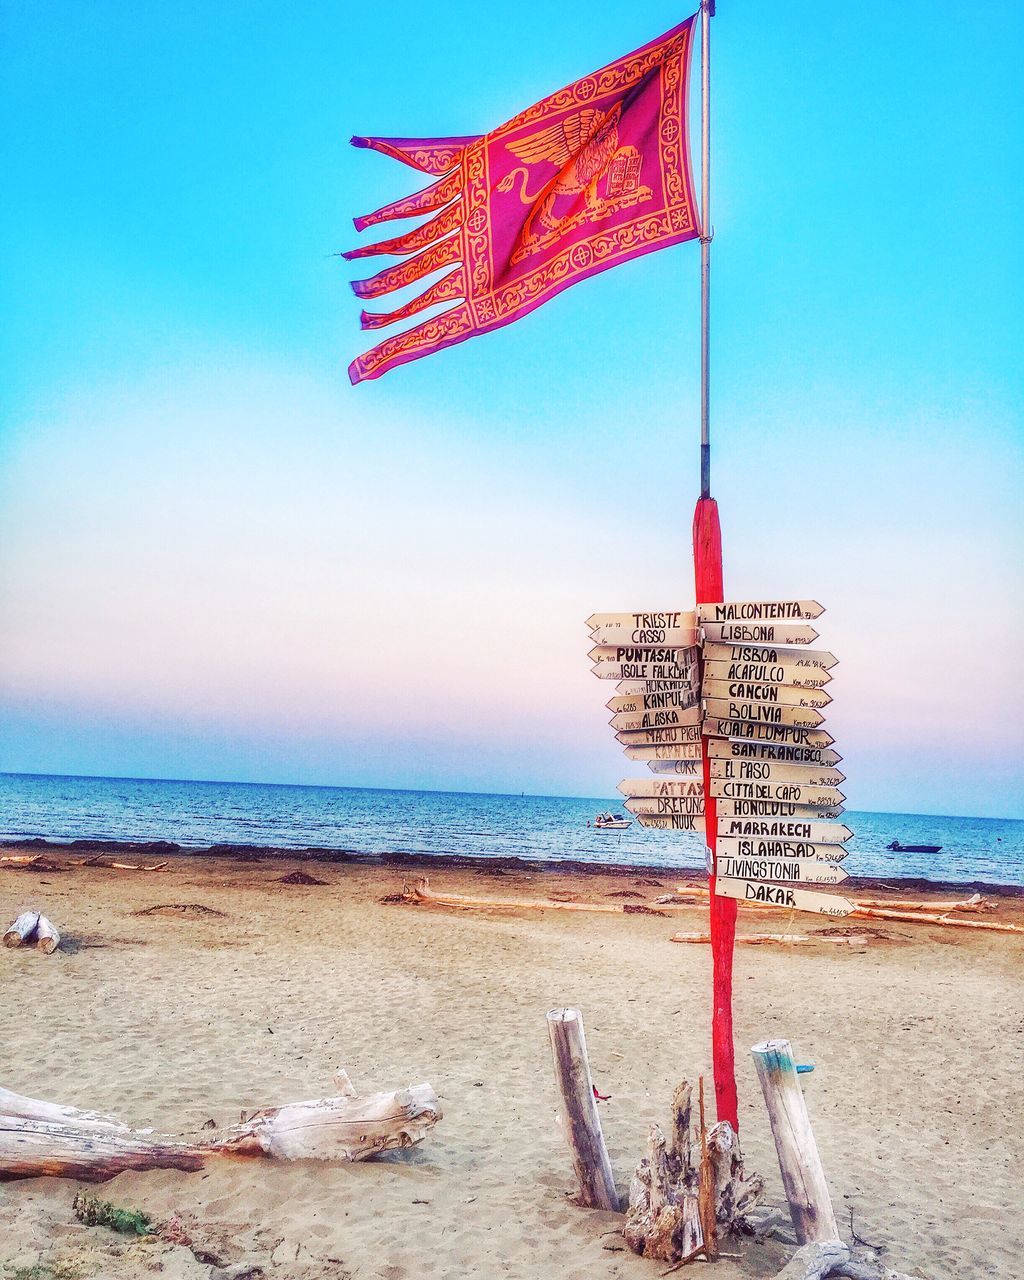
<point>724,704</point>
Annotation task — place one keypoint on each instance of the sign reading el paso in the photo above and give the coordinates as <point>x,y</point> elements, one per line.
<point>762,712</point>
<point>786,673</point>
<point>772,655</point>
<point>759,611</point>
<point>754,691</point>
<point>810,829</point>
<point>794,792</point>
<point>784,752</point>
<point>825,904</point>
<point>665,628</point>
<point>750,731</point>
<point>771,771</point>
<point>786,870</point>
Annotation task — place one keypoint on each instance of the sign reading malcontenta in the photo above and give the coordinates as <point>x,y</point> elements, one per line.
<point>824,904</point>
<point>759,611</point>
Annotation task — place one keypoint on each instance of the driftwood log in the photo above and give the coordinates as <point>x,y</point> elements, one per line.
<point>580,1120</point>
<point>39,1138</point>
<point>664,1216</point>
<point>22,930</point>
<point>782,939</point>
<point>47,936</point>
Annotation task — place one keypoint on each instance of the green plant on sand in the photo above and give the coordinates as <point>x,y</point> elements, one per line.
<point>101,1213</point>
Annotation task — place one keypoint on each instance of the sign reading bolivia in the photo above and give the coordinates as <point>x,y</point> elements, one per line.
<point>666,628</point>
<point>762,713</point>
<point>810,829</point>
<point>761,847</point>
<point>784,870</point>
<point>802,659</point>
<point>824,904</point>
<point>753,691</point>
<point>783,673</point>
<point>771,771</point>
<point>748,730</point>
<point>781,751</point>
<point>794,792</point>
<point>759,611</point>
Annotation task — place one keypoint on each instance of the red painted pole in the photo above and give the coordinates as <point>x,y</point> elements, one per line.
<point>707,577</point>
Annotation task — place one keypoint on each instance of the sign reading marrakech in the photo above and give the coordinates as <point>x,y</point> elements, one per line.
<point>724,704</point>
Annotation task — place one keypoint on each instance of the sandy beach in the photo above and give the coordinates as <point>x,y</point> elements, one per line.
<point>174,1018</point>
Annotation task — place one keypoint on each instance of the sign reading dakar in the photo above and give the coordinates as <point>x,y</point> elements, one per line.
<point>825,904</point>
<point>771,771</point>
<point>801,659</point>
<point>784,870</point>
<point>782,751</point>
<point>666,628</point>
<point>762,712</point>
<point>753,691</point>
<point>759,611</point>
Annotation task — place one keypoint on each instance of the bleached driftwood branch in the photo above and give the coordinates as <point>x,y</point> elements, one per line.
<point>580,1120</point>
<point>38,1138</point>
<point>22,930</point>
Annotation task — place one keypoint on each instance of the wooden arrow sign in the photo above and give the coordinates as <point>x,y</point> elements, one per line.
<point>691,805</point>
<point>793,792</point>
<point>760,633</point>
<point>681,655</point>
<point>761,712</point>
<point>632,721</point>
<point>803,659</point>
<point>693,766</point>
<point>684,787</point>
<point>777,809</point>
<point>783,751</point>
<point>770,847</point>
<point>833,834</point>
<point>772,771</point>
<point>662,736</point>
<point>784,673</point>
<point>649,670</point>
<point>655,751</point>
<point>824,904</point>
<point>784,870</point>
<point>678,699</point>
<point>681,687</point>
<point>759,611</point>
<point>775,694</point>
<point>748,731</point>
<point>671,821</point>
<point>643,628</point>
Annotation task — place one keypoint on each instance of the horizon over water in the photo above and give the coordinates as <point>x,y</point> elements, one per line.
<point>297,816</point>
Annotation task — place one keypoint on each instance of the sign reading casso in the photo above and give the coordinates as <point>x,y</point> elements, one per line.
<point>654,628</point>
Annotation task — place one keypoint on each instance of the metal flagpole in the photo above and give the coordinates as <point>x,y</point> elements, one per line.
<point>708,588</point>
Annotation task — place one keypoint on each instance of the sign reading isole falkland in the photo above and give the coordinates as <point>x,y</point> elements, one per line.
<point>733,684</point>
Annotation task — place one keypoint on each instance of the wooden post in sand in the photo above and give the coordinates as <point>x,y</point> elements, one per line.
<point>803,1178</point>
<point>580,1120</point>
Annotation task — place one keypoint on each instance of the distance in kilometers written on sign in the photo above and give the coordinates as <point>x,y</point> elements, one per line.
<point>809,659</point>
<point>794,792</point>
<point>782,752</point>
<point>671,821</point>
<point>748,731</point>
<point>775,694</point>
<point>776,809</point>
<point>758,610</point>
<point>762,713</point>
<point>824,904</point>
<point>677,698</point>
<point>784,870</point>
<point>768,672</point>
<point>773,771</point>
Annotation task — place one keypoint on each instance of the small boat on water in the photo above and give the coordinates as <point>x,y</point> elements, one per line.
<point>611,822</point>
<point>896,847</point>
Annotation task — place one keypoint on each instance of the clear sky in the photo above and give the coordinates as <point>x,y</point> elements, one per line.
<point>218,560</point>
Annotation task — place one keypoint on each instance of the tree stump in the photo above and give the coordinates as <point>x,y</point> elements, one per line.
<point>663,1220</point>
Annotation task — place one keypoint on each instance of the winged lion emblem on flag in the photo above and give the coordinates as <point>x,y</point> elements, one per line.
<point>585,149</point>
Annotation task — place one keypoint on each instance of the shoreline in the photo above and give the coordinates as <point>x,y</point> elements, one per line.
<point>470,862</point>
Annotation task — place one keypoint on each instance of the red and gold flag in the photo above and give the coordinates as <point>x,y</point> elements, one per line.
<point>591,176</point>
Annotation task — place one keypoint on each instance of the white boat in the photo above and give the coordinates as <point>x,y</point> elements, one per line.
<point>611,822</point>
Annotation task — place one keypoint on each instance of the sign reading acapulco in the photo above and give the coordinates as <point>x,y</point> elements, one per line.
<point>724,704</point>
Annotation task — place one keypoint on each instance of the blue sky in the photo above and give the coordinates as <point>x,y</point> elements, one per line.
<point>219,560</point>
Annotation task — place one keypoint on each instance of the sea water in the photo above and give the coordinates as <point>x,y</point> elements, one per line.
<point>363,820</point>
